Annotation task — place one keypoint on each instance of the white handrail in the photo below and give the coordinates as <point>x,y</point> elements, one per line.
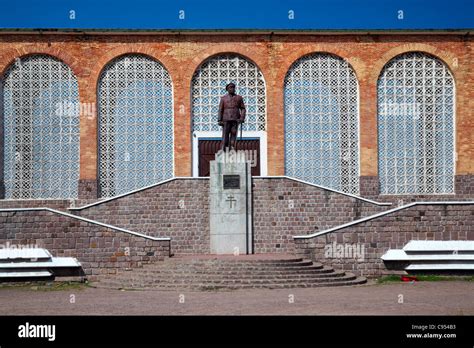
<point>3,210</point>
<point>371,217</point>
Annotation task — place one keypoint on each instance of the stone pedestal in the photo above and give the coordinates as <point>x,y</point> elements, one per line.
<point>231,204</point>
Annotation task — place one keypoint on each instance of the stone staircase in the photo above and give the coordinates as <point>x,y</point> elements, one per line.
<point>212,272</point>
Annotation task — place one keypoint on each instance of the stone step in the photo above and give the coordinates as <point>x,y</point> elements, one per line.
<point>232,269</point>
<point>343,281</point>
<point>233,272</point>
<point>217,277</point>
<point>233,259</point>
<point>248,264</point>
<point>229,272</point>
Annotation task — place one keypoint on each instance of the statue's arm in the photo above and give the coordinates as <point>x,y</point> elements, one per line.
<point>221,110</point>
<point>242,110</point>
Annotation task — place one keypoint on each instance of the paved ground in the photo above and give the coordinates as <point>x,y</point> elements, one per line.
<point>421,298</point>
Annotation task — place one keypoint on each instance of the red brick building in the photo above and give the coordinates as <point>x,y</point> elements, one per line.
<point>271,67</point>
<point>351,115</point>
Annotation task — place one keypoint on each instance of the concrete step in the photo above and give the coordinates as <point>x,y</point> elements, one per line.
<point>432,256</point>
<point>8,255</point>
<point>35,263</point>
<point>53,262</point>
<point>437,246</point>
<point>8,275</point>
<point>401,255</point>
<point>440,267</point>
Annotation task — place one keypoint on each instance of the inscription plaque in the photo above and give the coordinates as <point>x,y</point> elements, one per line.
<point>231,182</point>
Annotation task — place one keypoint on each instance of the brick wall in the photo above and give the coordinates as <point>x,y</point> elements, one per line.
<point>58,204</point>
<point>392,231</point>
<point>284,208</point>
<point>180,209</point>
<point>100,250</point>
<point>463,190</point>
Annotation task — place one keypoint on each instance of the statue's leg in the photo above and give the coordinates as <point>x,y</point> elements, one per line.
<point>226,134</point>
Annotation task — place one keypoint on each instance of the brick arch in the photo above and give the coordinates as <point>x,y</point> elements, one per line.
<point>52,54</point>
<point>131,182</point>
<point>205,55</point>
<point>446,57</point>
<point>105,59</point>
<point>346,176</point>
<point>10,56</point>
<point>383,175</point>
<point>227,52</point>
<point>357,65</point>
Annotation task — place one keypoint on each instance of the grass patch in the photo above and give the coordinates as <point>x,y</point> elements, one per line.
<point>425,278</point>
<point>44,285</point>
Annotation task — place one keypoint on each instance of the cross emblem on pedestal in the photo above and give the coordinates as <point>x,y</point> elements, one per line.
<point>231,199</point>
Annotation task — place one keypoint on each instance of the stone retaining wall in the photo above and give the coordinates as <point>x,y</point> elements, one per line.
<point>100,250</point>
<point>391,231</point>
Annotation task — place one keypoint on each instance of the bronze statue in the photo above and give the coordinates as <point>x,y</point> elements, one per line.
<point>231,115</point>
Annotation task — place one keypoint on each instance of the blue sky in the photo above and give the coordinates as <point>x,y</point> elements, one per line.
<point>241,14</point>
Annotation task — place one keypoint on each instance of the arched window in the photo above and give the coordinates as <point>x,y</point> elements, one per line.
<point>41,125</point>
<point>416,126</point>
<point>321,122</point>
<point>135,97</point>
<point>208,85</point>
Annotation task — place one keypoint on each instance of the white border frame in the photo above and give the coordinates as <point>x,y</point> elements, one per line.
<point>261,135</point>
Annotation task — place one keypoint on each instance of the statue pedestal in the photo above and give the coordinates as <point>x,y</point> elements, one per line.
<point>231,204</point>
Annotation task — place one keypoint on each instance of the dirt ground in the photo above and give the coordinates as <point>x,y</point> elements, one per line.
<point>420,298</point>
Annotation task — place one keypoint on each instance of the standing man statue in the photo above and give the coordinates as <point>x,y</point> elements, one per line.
<point>231,115</point>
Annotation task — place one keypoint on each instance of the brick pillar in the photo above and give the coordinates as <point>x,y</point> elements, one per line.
<point>88,185</point>
<point>2,144</point>
<point>369,186</point>
<point>464,185</point>
<point>88,189</point>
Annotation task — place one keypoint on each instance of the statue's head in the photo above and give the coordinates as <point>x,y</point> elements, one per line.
<point>230,87</point>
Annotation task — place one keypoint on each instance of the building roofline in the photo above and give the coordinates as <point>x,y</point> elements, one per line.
<point>118,31</point>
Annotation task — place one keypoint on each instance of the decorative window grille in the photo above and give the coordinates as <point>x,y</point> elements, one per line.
<point>321,122</point>
<point>41,129</point>
<point>135,124</point>
<point>208,85</point>
<point>416,126</point>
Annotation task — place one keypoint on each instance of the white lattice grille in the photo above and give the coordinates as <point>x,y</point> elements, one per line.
<point>41,124</point>
<point>321,122</point>
<point>208,85</point>
<point>135,124</point>
<point>416,126</point>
